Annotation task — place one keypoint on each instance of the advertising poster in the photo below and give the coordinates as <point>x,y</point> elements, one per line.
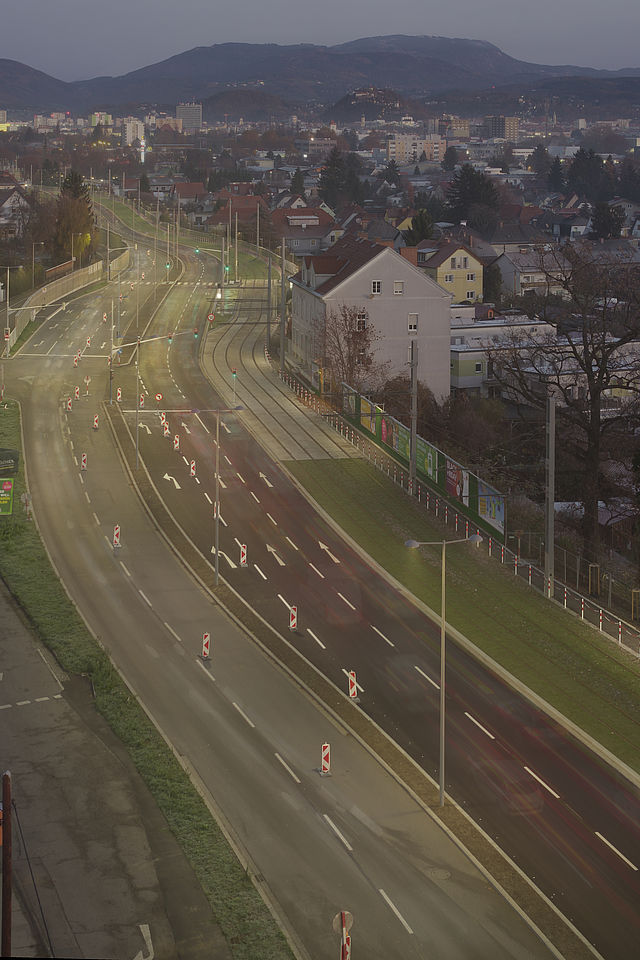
<point>457,482</point>
<point>427,459</point>
<point>395,436</point>
<point>6,498</point>
<point>348,401</point>
<point>491,506</point>
<point>367,415</point>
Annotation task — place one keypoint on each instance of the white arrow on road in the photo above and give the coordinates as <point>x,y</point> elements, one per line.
<point>271,550</point>
<point>146,933</point>
<point>324,547</point>
<point>175,482</point>
<point>143,426</point>
<point>228,559</point>
<point>185,427</point>
<point>262,477</point>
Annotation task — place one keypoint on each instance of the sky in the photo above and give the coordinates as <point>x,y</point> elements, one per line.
<point>78,39</point>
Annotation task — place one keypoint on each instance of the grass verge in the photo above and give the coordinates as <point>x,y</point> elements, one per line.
<point>237,907</point>
<point>590,680</point>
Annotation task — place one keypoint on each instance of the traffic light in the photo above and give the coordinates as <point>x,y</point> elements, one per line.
<point>195,333</point>
<point>168,265</point>
<point>234,372</point>
<point>211,318</point>
<point>197,250</point>
<point>226,268</point>
<point>170,338</point>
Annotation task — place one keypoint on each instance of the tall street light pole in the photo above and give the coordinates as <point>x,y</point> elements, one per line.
<point>412,544</point>
<point>37,243</point>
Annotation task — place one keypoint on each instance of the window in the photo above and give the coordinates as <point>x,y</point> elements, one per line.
<point>465,263</point>
<point>448,278</point>
<point>398,287</point>
<point>471,295</point>
<point>479,366</point>
<point>412,324</point>
<point>453,263</point>
<point>361,322</point>
<point>470,276</point>
<point>295,243</point>
<point>376,287</point>
<point>314,242</point>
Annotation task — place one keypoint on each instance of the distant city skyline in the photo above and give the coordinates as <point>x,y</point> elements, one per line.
<point>69,42</point>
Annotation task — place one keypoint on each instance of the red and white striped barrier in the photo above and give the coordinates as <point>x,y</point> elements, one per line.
<point>95,422</point>
<point>116,535</point>
<point>582,608</point>
<point>206,643</point>
<point>620,632</point>
<point>76,393</point>
<point>293,618</point>
<point>104,318</point>
<point>176,442</point>
<point>192,468</point>
<point>68,403</point>
<point>243,554</point>
<point>141,400</point>
<point>75,360</point>
<point>325,769</point>
<point>163,418</point>
<point>601,618</point>
<point>119,394</point>
<point>88,341</point>
<point>353,686</point>
<point>83,462</point>
<point>167,432</point>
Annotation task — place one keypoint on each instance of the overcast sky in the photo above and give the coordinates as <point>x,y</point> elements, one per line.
<point>78,39</point>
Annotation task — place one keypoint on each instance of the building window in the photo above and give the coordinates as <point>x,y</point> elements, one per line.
<point>479,366</point>
<point>398,287</point>
<point>471,294</point>
<point>465,263</point>
<point>376,286</point>
<point>470,276</point>
<point>412,324</point>
<point>313,243</point>
<point>448,278</point>
<point>295,243</point>
<point>361,322</point>
<point>453,263</point>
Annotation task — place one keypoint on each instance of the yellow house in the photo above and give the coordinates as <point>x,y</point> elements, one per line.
<point>454,267</point>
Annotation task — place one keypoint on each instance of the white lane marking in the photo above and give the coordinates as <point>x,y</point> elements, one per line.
<point>391,904</point>
<point>272,520</point>
<point>337,832</point>
<point>235,539</point>
<point>109,542</point>
<point>87,496</point>
<point>197,479</point>
<point>287,605</point>
<point>272,551</point>
<point>145,598</point>
<point>319,642</point>
<point>222,520</point>
<point>254,497</point>
<point>5,706</point>
<point>243,714</point>
<point>204,426</point>
<point>315,569</point>
<point>227,459</point>
<point>427,677</point>
<point>41,699</point>
<point>208,497</point>
<point>241,478</point>
<point>228,559</point>
<point>172,631</point>
<point>95,517</point>
<point>615,850</point>
<point>381,634</point>
<point>205,668</point>
<point>287,768</point>
<point>185,459</point>
<point>484,730</point>
<point>125,569</point>
<point>22,703</point>
<point>324,547</point>
<point>260,571</point>
<point>541,782</point>
<point>221,482</point>
<point>223,424</point>
<point>81,478</point>
<point>75,459</point>
<point>176,485</point>
<point>348,602</point>
<point>263,477</point>
<point>358,687</point>
<point>291,542</point>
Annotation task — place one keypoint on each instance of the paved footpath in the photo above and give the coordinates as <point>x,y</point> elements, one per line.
<point>96,871</point>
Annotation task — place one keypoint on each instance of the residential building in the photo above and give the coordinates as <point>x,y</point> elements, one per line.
<point>304,229</point>
<point>454,266</point>
<point>408,148</point>
<point>503,128</point>
<point>532,271</point>
<point>399,301</point>
<point>191,116</point>
<point>133,129</point>
<point>3,116</point>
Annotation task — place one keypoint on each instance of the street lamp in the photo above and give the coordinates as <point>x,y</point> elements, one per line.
<point>72,257</point>
<point>412,544</point>
<point>37,243</point>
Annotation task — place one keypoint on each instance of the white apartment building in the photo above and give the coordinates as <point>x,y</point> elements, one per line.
<point>408,148</point>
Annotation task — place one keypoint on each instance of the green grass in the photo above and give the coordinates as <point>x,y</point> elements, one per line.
<point>590,680</point>
<point>243,917</point>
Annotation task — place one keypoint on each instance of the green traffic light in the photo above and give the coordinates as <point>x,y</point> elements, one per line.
<point>197,249</point>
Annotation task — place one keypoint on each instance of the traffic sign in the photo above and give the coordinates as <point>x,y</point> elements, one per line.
<point>192,468</point>
<point>116,535</point>
<point>211,317</point>
<point>87,378</point>
<point>243,554</point>
<point>119,394</point>
<point>68,403</point>
<point>206,644</point>
<point>293,618</point>
<point>353,686</point>
<point>158,397</point>
<point>326,760</point>
<point>95,421</point>
<point>76,393</point>
<point>83,462</point>
<point>176,442</point>
<point>167,432</point>
<point>141,400</point>
<point>7,332</point>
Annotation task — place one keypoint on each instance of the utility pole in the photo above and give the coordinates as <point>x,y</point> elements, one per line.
<point>550,495</point>
<point>6,865</point>
<point>283,301</point>
<point>413,364</point>
<point>258,228</point>
<point>269,303</point>
<point>235,267</point>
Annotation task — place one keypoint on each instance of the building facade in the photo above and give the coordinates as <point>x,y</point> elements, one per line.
<point>191,116</point>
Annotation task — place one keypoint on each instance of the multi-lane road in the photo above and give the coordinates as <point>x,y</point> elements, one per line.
<point>565,817</point>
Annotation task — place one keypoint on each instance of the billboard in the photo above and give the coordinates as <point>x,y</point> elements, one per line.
<point>427,459</point>
<point>491,506</point>
<point>457,482</point>
<point>368,415</point>
<point>348,400</point>
<point>6,498</point>
<point>396,436</point>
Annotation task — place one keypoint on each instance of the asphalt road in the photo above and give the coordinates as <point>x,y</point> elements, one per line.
<point>566,817</point>
<point>251,738</point>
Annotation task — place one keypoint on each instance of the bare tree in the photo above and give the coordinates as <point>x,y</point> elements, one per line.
<point>588,359</point>
<point>347,347</point>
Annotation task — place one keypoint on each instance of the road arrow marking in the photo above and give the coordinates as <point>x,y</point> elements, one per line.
<point>175,482</point>
<point>324,547</point>
<point>185,427</point>
<point>146,933</point>
<point>143,426</point>
<point>228,559</point>
<point>268,482</point>
<point>271,550</point>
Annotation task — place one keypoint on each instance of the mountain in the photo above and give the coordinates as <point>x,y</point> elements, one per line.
<point>298,73</point>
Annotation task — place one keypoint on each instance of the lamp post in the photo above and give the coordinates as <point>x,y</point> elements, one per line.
<point>73,262</point>
<point>412,544</point>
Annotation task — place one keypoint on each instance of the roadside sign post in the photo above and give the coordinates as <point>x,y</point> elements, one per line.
<point>293,618</point>
<point>95,421</point>
<point>325,770</point>
<point>206,645</point>
<point>116,536</point>
<point>83,462</point>
<point>192,468</point>
<point>76,393</point>
<point>353,687</point>
<point>176,442</point>
<point>243,554</point>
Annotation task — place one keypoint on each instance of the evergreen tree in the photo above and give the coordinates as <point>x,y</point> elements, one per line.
<point>629,180</point>
<point>450,159</point>
<point>470,188</point>
<point>539,161</point>
<point>555,178</point>
<point>332,179</point>
<point>391,173</point>
<point>586,176</point>
<point>297,183</point>
<point>492,283</point>
<point>607,221</point>
<point>421,228</point>
<point>75,225</point>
